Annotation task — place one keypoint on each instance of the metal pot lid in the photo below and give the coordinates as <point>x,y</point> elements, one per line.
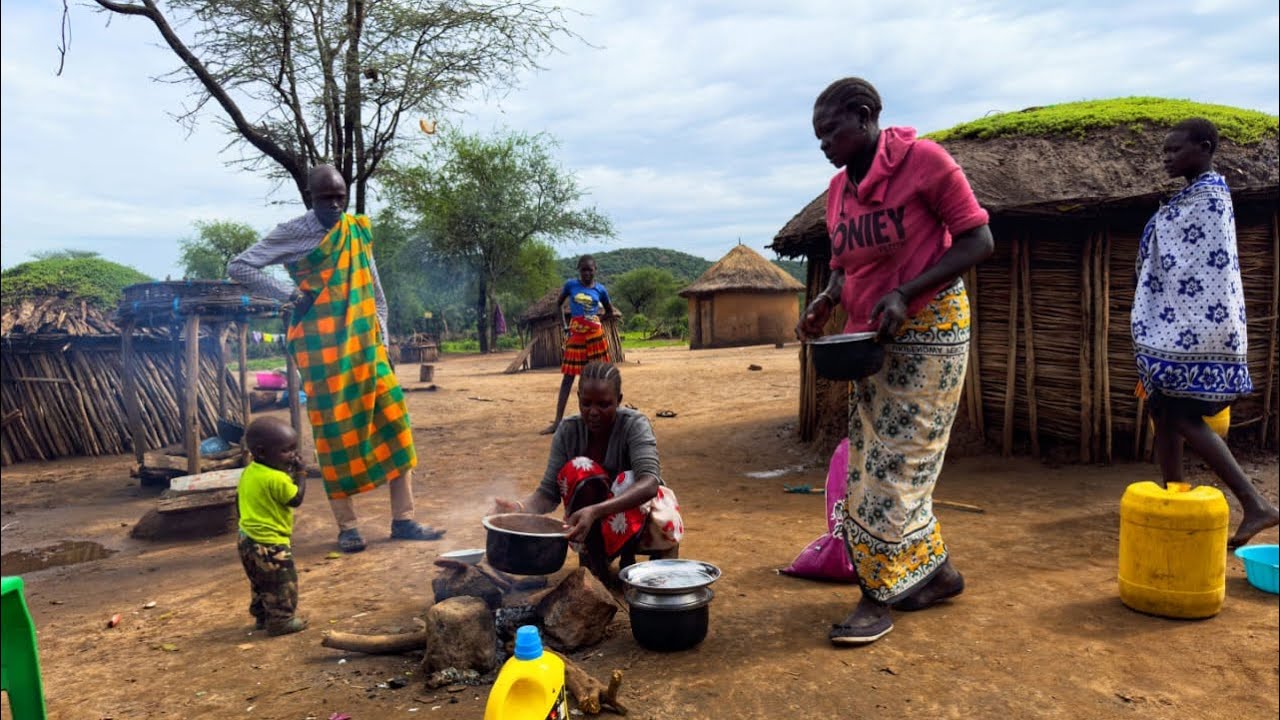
<point>670,577</point>
<point>683,601</point>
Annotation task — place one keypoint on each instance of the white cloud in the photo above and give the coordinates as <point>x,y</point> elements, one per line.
<point>689,122</point>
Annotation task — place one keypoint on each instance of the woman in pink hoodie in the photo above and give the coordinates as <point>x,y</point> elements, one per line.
<point>904,227</point>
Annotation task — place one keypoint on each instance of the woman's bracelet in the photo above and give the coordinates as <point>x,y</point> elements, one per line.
<point>520,503</point>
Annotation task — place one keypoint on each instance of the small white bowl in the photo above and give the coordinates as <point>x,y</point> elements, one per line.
<point>470,557</point>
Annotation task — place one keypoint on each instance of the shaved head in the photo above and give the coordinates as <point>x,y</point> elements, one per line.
<point>324,175</point>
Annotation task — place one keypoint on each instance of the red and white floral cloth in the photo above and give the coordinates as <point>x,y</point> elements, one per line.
<point>658,519</point>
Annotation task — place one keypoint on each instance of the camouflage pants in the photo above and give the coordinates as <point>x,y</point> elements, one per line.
<point>273,581</point>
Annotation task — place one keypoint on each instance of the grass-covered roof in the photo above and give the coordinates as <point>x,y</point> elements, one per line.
<point>1076,119</point>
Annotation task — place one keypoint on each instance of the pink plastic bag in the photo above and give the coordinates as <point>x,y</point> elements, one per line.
<point>827,557</point>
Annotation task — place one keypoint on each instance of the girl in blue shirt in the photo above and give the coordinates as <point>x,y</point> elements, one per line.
<point>584,333</point>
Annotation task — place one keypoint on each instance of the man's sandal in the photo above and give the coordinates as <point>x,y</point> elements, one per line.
<point>349,541</point>
<point>414,530</point>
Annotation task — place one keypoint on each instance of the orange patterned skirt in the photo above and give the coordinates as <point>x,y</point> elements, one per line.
<point>585,343</point>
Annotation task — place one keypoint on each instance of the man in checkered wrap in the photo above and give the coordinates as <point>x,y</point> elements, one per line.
<point>337,337</point>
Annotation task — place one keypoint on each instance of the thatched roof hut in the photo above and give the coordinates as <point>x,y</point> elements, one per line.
<point>742,300</point>
<point>62,393</point>
<point>543,321</point>
<point>1069,188</point>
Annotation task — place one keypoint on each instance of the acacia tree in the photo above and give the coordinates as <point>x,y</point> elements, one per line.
<point>643,289</point>
<point>205,256</point>
<point>301,82</point>
<point>485,200</point>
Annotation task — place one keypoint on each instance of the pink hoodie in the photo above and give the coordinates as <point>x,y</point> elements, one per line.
<point>897,222</point>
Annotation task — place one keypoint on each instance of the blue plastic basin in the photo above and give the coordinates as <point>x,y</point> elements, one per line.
<point>1262,566</point>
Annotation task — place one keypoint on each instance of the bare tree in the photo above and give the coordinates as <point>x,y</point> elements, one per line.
<point>302,82</point>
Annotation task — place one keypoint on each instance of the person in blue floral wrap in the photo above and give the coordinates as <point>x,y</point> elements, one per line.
<point>1188,322</point>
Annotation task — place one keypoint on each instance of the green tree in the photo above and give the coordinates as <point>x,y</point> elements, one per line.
<point>300,82</point>
<point>417,281</point>
<point>74,274</point>
<point>640,291</point>
<point>205,256</point>
<point>484,200</point>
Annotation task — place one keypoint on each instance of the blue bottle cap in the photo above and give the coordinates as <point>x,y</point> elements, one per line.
<point>528,643</point>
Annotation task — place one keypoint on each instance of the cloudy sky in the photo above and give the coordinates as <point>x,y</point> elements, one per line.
<point>688,121</point>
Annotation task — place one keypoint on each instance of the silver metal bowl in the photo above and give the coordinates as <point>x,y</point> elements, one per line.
<point>670,577</point>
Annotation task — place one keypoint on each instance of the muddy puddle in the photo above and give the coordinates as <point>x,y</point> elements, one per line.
<point>67,552</point>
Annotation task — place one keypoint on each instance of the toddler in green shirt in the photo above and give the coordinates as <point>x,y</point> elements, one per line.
<point>269,489</point>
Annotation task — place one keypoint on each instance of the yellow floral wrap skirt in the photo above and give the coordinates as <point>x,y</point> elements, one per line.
<point>899,424</point>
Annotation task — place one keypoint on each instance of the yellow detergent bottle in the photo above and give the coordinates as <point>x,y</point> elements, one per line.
<point>1173,549</point>
<point>530,685</point>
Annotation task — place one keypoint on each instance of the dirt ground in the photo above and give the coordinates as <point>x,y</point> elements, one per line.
<point>1040,633</point>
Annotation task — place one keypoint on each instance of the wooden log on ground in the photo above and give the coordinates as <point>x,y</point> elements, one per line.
<point>427,372</point>
<point>592,695</point>
<point>376,644</point>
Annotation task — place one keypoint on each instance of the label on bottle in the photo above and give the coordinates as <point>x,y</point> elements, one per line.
<point>560,709</point>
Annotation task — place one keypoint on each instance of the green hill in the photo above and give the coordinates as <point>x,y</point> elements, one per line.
<point>685,267</point>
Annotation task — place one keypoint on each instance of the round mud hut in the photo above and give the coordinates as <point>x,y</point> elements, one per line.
<point>542,324</point>
<point>1070,188</point>
<point>742,300</point>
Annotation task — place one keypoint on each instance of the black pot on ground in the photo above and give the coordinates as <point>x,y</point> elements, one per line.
<point>670,623</point>
<point>525,544</point>
<point>851,356</point>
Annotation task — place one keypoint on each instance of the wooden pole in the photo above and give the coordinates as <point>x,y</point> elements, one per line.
<point>242,332</point>
<point>191,415</point>
<point>1011,366</point>
<point>291,368</point>
<point>128,363</point>
<point>1028,332</point>
<point>1099,358</point>
<point>1275,303</point>
<point>220,345</point>
<point>1104,351</point>
<point>975,357</point>
<point>1086,341</point>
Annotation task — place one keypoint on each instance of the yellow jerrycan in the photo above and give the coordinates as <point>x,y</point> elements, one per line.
<point>530,685</point>
<point>1173,549</point>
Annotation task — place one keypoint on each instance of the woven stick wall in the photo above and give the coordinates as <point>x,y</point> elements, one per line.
<point>1052,348</point>
<point>72,404</point>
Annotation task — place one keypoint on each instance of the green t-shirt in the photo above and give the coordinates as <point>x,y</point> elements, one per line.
<point>262,496</point>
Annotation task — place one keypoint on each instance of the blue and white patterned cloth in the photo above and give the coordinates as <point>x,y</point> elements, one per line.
<point>1188,322</point>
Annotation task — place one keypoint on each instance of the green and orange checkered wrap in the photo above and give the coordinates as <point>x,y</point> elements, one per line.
<point>354,401</point>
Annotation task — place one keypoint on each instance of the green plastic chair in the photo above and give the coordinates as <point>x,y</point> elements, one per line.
<point>19,660</point>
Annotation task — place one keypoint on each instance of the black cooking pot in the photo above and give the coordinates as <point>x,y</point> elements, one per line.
<point>669,623</point>
<point>525,544</point>
<point>851,356</point>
